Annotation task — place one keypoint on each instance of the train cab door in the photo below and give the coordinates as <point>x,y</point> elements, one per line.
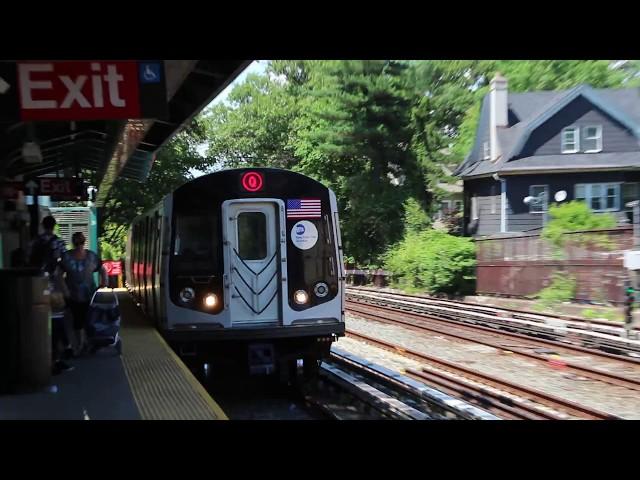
<point>253,237</point>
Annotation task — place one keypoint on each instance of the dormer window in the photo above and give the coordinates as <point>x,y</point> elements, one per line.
<point>486,152</point>
<point>592,138</point>
<point>570,140</point>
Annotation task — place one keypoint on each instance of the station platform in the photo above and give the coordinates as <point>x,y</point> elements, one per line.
<point>146,382</point>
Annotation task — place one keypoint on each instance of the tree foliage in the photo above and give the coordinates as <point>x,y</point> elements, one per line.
<point>256,127</point>
<point>415,218</point>
<point>110,251</point>
<point>572,217</point>
<point>561,289</point>
<point>354,135</point>
<point>432,261</point>
<point>129,198</point>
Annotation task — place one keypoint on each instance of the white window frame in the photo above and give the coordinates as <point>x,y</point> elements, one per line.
<point>486,151</point>
<point>474,208</point>
<point>576,131</point>
<point>457,205</point>
<point>603,195</point>
<point>545,205</point>
<point>597,138</point>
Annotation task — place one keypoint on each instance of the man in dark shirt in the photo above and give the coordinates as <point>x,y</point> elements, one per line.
<point>45,254</point>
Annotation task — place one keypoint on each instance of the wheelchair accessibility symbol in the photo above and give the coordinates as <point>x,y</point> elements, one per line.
<point>149,73</point>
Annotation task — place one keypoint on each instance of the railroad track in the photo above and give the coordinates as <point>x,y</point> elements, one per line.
<point>588,324</point>
<point>500,397</point>
<point>350,387</point>
<point>610,341</point>
<point>480,335</point>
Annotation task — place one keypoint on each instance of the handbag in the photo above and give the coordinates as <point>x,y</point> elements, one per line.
<point>56,299</point>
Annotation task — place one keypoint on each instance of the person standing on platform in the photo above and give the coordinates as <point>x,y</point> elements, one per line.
<point>79,265</point>
<point>45,253</point>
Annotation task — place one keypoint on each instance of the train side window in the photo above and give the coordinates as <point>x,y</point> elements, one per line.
<point>327,230</point>
<point>252,235</point>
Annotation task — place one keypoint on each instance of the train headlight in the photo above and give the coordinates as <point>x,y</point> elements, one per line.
<point>187,295</point>
<point>210,300</point>
<point>300,297</point>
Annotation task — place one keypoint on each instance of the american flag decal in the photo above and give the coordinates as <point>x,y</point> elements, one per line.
<point>304,208</point>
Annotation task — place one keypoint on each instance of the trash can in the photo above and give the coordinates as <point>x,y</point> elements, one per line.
<point>10,336</point>
<point>25,343</point>
<point>35,332</point>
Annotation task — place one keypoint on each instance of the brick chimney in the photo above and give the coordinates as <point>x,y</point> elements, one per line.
<point>499,108</point>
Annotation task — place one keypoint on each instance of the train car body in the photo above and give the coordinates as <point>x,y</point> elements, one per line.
<point>243,263</point>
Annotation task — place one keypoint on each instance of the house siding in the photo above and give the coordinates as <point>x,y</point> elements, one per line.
<point>519,219</point>
<point>487,191</point>
<point>546,139</point>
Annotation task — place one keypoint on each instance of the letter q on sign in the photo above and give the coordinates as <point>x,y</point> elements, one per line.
<point>252,181</point>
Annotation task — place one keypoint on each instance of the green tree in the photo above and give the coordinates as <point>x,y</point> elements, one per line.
<point>415,218</point>
<point>354,134</point>
<point>530,75</point>
<point>432,261</point>
<point>255,128</point>
<point>111,252</point>
<point>562,288</point>
<point>442,96</point>
<point>573,217</point>
<point>129,198</point>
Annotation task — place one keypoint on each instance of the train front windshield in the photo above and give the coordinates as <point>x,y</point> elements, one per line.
<point>195,246</point>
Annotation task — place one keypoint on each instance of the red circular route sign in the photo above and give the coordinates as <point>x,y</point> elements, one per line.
<point>252,181</point>
<point>112,267</point>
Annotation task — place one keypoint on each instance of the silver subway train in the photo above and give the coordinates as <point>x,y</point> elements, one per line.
<point>242,265</point>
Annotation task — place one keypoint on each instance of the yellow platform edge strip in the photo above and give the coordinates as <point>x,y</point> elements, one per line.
<point>193,381</point>
<point>212,404</point>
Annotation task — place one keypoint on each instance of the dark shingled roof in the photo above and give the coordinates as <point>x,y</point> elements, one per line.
<point>528,110</point>
<point>582,161</point>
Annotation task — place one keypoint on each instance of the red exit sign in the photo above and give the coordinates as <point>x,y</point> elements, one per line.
<point>58,188</point>
<point>62,187</point>
<point>91,90</point>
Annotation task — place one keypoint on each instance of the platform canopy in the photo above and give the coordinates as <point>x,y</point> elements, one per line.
<point>110,117</point>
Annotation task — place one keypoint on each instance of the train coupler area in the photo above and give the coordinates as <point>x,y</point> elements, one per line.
<point>261,359</point>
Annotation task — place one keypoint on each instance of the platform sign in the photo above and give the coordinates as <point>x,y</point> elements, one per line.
<point>631,259</point>
<point>60,189</point>
<point>82,90</point>
<point>113,268</point>
<point>9,108</point>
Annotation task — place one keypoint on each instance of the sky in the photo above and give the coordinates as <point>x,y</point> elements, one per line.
<point>257,66</point>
